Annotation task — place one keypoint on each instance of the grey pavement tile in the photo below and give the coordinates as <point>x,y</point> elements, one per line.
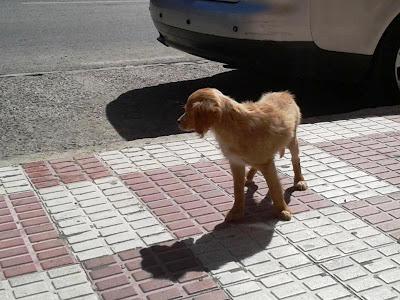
<point>89,224</point>
<point>61,283</point>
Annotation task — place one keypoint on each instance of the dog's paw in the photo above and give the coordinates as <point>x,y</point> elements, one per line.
<point>234,215</point>
<point>301,185</point>
<point>285,215</point>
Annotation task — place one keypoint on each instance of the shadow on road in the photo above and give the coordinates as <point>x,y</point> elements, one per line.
<point>152,111</point>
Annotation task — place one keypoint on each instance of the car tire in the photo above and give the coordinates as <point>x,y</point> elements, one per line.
<point>386,68</point>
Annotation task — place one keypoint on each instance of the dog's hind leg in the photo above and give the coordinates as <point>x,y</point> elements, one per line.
<point>275,190</point>
<point>299,182</point>
<point>250,175</point>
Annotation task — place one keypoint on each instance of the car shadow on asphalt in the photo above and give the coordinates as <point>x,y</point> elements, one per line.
<point>222,248</point>
<point>153,111</point>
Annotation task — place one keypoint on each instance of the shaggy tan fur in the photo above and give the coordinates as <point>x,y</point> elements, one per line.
<point>251,134</point>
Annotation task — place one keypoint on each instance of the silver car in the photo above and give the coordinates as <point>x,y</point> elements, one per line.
<point>356,38</point>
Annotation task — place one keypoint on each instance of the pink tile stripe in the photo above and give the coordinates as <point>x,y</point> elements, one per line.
<point>29,240</point>
<point>194,199</point>
<point>64,171</point>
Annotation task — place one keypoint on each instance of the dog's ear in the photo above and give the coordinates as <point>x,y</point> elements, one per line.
<point>206,113</point>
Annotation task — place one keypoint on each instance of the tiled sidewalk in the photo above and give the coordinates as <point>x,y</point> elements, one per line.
<point>148,223</point>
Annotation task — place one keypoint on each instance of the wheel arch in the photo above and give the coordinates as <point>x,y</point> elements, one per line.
<point>395,23</point>
<point>381,79</point>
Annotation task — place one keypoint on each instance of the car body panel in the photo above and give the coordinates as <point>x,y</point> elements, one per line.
<point>353,26</point>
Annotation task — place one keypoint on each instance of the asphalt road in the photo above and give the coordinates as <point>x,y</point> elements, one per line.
<point>90,74</point>
<point>53,35</point>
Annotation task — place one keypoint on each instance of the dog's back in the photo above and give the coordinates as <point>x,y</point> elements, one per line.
<point>282,104</point>
<point>277,112</point>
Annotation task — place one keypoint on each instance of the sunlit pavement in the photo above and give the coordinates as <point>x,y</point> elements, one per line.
<point>147,222</point>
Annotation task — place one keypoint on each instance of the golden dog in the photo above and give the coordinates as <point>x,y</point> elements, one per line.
<point>251,134</point>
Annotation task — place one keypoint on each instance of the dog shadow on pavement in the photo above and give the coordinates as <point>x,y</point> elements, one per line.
<point>224,247</point>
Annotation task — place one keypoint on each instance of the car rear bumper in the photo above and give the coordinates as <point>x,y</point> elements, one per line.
<point>271,56</point>
<point>275,20</point>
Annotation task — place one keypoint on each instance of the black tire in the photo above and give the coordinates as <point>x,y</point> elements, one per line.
<point>385,77</point>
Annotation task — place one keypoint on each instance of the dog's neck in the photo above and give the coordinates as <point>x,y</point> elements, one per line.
<point>233,114</point>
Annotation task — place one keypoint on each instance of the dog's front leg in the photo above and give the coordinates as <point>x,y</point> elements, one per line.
<point>275,189</point>
<point>237,211</point>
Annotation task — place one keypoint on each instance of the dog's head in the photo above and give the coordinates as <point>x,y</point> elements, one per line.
<point>202,110</point>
